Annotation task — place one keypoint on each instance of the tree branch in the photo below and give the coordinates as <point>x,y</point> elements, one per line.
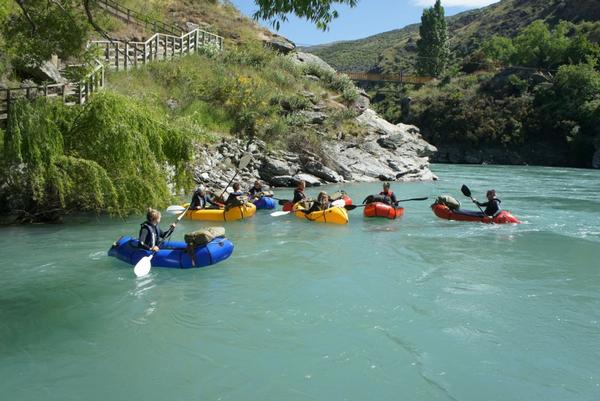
<point>21,4</point>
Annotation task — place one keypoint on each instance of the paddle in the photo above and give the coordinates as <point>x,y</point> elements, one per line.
<point>352,207</point>
<point>143,266</point>
<point>467,192</point>
<point>337,203</point>
<point>244,161</point>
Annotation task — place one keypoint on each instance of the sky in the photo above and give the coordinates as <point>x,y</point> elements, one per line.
<point>368,18</point>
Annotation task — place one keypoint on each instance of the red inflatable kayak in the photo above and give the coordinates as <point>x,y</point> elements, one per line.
<point>380,209</point>
<point>444,212</point>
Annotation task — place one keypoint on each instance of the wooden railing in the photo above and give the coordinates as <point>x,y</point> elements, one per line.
<point>125,55</point>
<point>400,78</point>
<point>134,17</point>
<point>70,93</point>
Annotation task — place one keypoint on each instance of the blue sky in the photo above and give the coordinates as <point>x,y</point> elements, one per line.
<point>368,18</point>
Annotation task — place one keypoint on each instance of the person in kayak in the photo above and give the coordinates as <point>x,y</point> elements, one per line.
<point>492,206</point>
<point>299,192</point>
<point>256,190</point>
<point>322,203</point>
<point>201,200</point>
<point>151,236</point>
<point>234,198</point>
<point>388,196</point>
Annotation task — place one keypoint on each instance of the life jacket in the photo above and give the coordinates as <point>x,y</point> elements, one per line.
<point>298,195</point>
<point>387,197</point>
<point>493,208</point>
<point>151,238</point>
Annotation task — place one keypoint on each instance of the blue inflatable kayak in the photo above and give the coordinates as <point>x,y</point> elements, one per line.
<point>265,203</point>
<point>173,254</point>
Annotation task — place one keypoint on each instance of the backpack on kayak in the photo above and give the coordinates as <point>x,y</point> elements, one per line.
<point>448,201</point>
<point>203,237</point>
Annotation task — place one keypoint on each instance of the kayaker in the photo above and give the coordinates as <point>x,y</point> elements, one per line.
<point>299,192</point>
<point>151,235</point>
<point>322,203</point>
<point>234,198</point>
<point>256,190</point>
<point>389,196</point>
<point>492,206</point>
<point>201,200</point>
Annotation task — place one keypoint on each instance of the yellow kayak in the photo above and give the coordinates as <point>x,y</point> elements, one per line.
<point>333,215</point>
<point>234,213</point>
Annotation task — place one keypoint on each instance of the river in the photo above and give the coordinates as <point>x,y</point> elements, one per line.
<point>414,309</point>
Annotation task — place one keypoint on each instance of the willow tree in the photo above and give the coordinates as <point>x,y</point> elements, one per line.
<point>432,46</point>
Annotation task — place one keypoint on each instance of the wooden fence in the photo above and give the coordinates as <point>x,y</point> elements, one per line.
<point>161,46</point>
<point>134,17</point>
<point>69,93</point>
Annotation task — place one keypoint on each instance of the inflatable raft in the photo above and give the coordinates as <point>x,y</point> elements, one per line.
<point>333,215</point>
<point>173,254</point>
<point>265,202</point>
<point>288,206</point>
<point>444,212</point>
<point>234,213</point>
<point>380,209</point>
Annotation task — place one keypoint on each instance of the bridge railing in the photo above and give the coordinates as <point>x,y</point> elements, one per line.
<point>400,78</point>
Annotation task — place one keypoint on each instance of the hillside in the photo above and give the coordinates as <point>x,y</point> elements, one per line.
<point>395,50</point>
<point>172,115</point>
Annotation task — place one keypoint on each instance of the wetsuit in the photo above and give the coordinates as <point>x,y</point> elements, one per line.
<point>151,235</point>
<point>298,196</point>
<point>254,192</point>
<point>201,202</point>
<point>317,207</point>
<point>390,198</point>
<point>233,200</point>
<point>491,207</point>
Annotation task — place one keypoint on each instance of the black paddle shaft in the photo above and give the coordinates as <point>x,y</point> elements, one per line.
<point>467,192</point>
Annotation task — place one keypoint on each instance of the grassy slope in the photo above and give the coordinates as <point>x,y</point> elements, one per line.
<point>386,51</point>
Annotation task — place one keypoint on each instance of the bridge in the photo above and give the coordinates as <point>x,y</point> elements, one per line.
<point>398,78</point>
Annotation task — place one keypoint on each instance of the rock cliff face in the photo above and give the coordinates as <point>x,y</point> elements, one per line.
<point>386,152</point>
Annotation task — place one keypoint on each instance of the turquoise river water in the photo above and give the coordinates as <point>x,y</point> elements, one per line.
<point>414,309</point>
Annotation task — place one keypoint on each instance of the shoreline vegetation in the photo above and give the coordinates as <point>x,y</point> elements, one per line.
<point>522,85</point>
<point>155,132</point>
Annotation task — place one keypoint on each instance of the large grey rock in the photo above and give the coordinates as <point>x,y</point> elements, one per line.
<point>273,167</point>
<point>310,180</point>
<point>46,72</point>
<point>362,102</point>
<point>317,169</point>
<point>596,159</point>
<point>282,181</point>
<point>300,58</point>
<point>280,44</point>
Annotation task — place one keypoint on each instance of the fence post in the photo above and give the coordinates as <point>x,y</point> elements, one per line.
<point>135,55</point>
<point>156,46</point>
<point>126,61</point>
<point>117,55</point>
<point>165,51</point>
<point>8,101</point>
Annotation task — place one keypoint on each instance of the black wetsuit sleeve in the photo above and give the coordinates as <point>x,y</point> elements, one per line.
<point>298,196</point>
<point>394,200</point>
<point>144,233</point>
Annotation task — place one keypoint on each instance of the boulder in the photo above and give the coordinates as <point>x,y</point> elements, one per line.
<point>273,167</point>
<point>46,72</point>
<point>313,117</point>
<point>310,180</point>
<point>281,181</point>
<point>300,58</point>
<point>280,44</point>
<point>317,169</point>
<point>362,102</point>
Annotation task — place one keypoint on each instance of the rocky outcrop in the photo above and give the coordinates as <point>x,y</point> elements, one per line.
<point>383,152</point>
<point>45,72</point>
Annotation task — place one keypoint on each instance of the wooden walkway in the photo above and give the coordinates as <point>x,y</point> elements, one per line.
<point>399,78</point>
<point>117,55</point>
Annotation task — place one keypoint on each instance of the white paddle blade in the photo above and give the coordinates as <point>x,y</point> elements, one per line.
<point>143,266</point>
<point>175,209</point>
<point>280,213</point>
<point>339,203</point>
